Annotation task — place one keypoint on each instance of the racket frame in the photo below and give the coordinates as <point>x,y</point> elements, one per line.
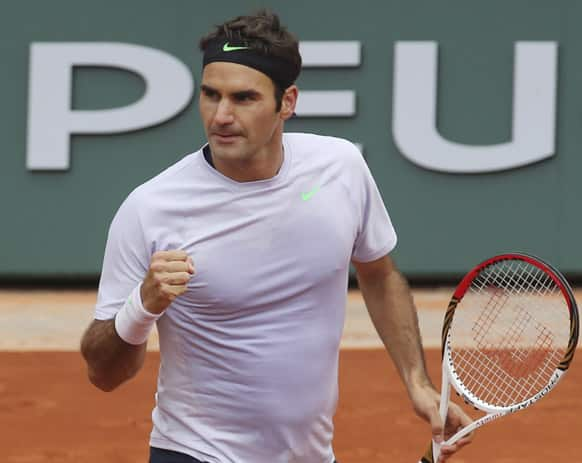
<point>449,376</point>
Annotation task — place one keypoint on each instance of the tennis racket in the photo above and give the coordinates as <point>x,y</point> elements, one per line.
<point>509,335</point>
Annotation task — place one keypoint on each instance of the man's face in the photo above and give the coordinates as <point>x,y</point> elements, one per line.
<point>237,107</point>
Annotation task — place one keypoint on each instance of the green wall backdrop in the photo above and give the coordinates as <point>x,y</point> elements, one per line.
<point>54,223</point>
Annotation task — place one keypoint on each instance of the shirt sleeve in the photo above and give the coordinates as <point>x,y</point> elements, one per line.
<point>125,262</point>
<point>376,236</point>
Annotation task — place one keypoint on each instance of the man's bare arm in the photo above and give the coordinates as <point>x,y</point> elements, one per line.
<point>389,303</point>
<point>110,360</point>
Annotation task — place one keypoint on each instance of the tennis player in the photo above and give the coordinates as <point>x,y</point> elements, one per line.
<point>240,254</point>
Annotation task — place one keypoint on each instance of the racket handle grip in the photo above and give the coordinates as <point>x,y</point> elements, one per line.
<point>427,457</point>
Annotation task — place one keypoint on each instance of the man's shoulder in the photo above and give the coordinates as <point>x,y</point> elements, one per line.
<point>312,140</point>
<point>153,190</point>
<point>323,147</point>
<point>171,175</point>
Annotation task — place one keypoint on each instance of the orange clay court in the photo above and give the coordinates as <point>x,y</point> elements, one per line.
<point>50,413</point>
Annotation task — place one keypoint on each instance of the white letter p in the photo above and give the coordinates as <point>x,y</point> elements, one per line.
<point>51,120</point>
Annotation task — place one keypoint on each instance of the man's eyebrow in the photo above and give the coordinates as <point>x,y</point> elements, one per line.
<point>246,93</point>
<point>208,89</point>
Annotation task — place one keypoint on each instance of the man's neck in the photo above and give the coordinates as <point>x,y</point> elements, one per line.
<point>262,165</point>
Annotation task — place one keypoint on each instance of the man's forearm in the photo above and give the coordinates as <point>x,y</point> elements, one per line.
<point>110,360</point>
<point>389,302</point>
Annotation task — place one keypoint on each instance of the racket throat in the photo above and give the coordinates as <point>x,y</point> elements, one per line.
<point>443,406</point>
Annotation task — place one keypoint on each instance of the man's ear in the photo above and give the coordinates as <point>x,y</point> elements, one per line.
<point>288,102</point>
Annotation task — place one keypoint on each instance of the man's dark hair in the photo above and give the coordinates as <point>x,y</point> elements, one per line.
<point>264,33</point>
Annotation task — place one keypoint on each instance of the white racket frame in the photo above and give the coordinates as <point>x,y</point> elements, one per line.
<point>449,376</point>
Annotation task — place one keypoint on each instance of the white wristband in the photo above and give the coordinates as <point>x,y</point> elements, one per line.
<point>133,322</point>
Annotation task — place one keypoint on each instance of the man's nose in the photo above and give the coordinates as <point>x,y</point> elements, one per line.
<point>224,113</point>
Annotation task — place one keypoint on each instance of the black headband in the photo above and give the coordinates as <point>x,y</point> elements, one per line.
<point>278,69</point>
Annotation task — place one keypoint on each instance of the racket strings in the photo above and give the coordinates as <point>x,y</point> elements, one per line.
<point>508,334</point>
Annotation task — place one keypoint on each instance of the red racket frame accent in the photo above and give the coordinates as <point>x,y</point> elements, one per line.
<point>469,277</point>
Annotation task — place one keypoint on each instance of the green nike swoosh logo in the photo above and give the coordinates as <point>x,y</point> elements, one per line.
<point>307,196</point>
<point>227,47</point>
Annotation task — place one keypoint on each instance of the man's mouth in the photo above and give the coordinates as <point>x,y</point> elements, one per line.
<point>225,136</point>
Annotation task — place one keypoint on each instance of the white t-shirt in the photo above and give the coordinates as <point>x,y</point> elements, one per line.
<point>249,354</point>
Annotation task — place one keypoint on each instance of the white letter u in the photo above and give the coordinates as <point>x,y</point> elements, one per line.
<point>534,111</point>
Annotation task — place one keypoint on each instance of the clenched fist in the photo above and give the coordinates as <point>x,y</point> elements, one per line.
<point>167,278</point>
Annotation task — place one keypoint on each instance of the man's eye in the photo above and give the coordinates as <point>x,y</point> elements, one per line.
<point>210,94</point>
<point>244,97</point>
